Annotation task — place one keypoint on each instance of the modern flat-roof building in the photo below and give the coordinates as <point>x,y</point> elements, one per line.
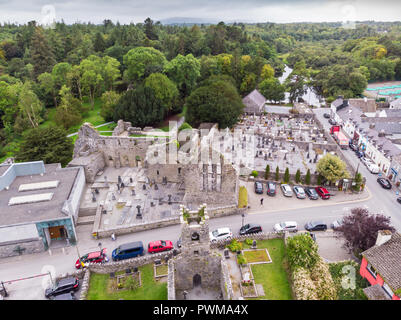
<point>39,206</point>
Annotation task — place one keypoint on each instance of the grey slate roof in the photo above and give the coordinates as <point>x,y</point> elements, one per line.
<point>376,292</point>
<point>366,106</point>
<point>338,102</point>
<point>386,259</point>
<point>396,104</point>
<point>254,102</point>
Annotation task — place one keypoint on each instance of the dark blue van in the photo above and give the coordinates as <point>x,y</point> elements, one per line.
<point>128,250</point>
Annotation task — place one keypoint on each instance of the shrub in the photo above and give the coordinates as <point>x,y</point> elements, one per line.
<point>277,177</point>
<point>248,242</point>
<point>304,288</point>
<point>235,246</point>
<point>287,175</point>
<point>302,251</point>
<point>308,177</point>
<point>298,176</point>
<point>321,276</point>
<point>242,197</point>
<point>241,259</point>
<point>267,172</point>
<point>254,173</point>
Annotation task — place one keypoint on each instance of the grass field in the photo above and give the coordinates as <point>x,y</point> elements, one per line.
<point>273,276</point>
<point>150,289</point>
<point>256,256</point>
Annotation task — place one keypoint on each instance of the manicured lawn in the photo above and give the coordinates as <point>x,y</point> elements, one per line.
<point>273,276</point>
<point>150,289</point>
<point>337,273</point>
<point>256,256</point>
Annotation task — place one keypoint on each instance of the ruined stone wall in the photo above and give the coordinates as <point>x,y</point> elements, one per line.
<point>28,247</point>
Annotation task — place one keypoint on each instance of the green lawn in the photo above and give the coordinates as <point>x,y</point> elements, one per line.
<point>273,276</point>
<point>150,289</point>
<point>337,273</point>
<point>256,256</point>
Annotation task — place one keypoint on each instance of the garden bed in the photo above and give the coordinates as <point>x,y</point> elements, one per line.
<point>160,270</point>
<point>256,256</point>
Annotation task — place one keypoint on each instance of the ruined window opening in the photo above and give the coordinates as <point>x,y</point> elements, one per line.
<point>195,236</point>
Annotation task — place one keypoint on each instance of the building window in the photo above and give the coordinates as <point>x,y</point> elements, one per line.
<point>388,290</point>
<point>371,270</point>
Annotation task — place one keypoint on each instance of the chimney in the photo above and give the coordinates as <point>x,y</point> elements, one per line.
<point>382,237</point>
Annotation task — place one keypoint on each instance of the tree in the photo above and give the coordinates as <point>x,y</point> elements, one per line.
<point>277,177</point>
<point>267,72</point>
<point>68,113</point>
<point>92,77</point>
<point>47,84</point>
<point>217,101</point>
<point>272,90</point>
<point>41,54</point>
<point>109,101</point>
<point>30,109</point>
<point>111,72</point>
<point>99,45</point>
<point>141,62</point>
<point>267,172</point>
<point>184,71</point>
<point>140,106</point>
<point>298,176</point>
<point>302,252</point>
<point>165,90</point>
<point>308,177</point>
<point>48,144</point>
<point>358,179</point>
<point>360,229</point>
<point>332,168</point>
<point>287,175</point>
<point>150,29</point>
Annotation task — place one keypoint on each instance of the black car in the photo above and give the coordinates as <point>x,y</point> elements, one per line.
<point>64,296</point>
<point>399,199</point>
<point>258,187</point>
<point>311,193</point>
<point>385,183</point>
<point>316,226</point>
<point>271,188</point>
<point>250,228</point>
<point>332,122</point>
<point>359,154</point>
<point>352,146</point>
<point>326,115</point>
<point>63,286</point>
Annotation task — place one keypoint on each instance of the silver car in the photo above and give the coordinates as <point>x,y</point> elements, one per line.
<point>286,190</point>
<point>299,192</point>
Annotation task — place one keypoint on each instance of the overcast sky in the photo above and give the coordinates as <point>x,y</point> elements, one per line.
<point>126,11</point>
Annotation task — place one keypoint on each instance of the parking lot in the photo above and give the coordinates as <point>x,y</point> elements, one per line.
<point>280,202</point>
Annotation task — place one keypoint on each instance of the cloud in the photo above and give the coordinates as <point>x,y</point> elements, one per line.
<point>127,11</point>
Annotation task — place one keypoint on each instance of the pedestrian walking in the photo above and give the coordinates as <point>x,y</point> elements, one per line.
<point>261,202</point>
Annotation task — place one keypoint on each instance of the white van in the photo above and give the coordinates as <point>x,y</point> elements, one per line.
<point>373,168</point>
<point>290,226</point>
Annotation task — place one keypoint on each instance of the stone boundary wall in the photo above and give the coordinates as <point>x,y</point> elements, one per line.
<point>171,281</point>
<point>103,233</point>
<point>257,236</point>
<point>226,285</point>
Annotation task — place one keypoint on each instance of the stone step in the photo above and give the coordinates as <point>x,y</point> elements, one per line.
<point>85,212</point>
<point>85,220</point>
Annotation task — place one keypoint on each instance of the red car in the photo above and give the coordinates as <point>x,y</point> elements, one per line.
<point>159,246</point>
<point>93,257</point>
<point>323,193</point>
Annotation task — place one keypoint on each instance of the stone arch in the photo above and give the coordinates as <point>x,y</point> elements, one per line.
<point>197,280</point>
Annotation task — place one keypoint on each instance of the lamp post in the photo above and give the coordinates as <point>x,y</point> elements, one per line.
<point>243,216</point>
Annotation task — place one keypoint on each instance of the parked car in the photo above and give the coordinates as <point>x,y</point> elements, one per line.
<point>159,246</point>
<point>326,115</point>
<point>299,192</point>
<point>128,250</point>
<point>360,154</point>
<point>92,257</point>
<point>179,242</point>
<point>258,187</point>
<point>250,228</point>
<point>399,199</point>
<point>385,183</point>
<point>366,161</point>
<point>337,223</point>
<point>64,296</point>
<point>323,192</point>
<point>373,168</point>
<point>311,193</point>
<point>332,122</point>
<point>316,226</point>
<point>290,226</point>
<point>220,234</point>
<point>286,190</point>
<point>271,188</point>
<point>353,146</point>
<point>62,286</point>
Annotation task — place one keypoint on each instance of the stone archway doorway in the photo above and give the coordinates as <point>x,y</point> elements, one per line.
<point>197,280</point>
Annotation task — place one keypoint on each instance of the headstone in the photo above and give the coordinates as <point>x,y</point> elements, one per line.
<point>158,261</point>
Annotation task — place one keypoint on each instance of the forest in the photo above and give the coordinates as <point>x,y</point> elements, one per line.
<point>54,79</point>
